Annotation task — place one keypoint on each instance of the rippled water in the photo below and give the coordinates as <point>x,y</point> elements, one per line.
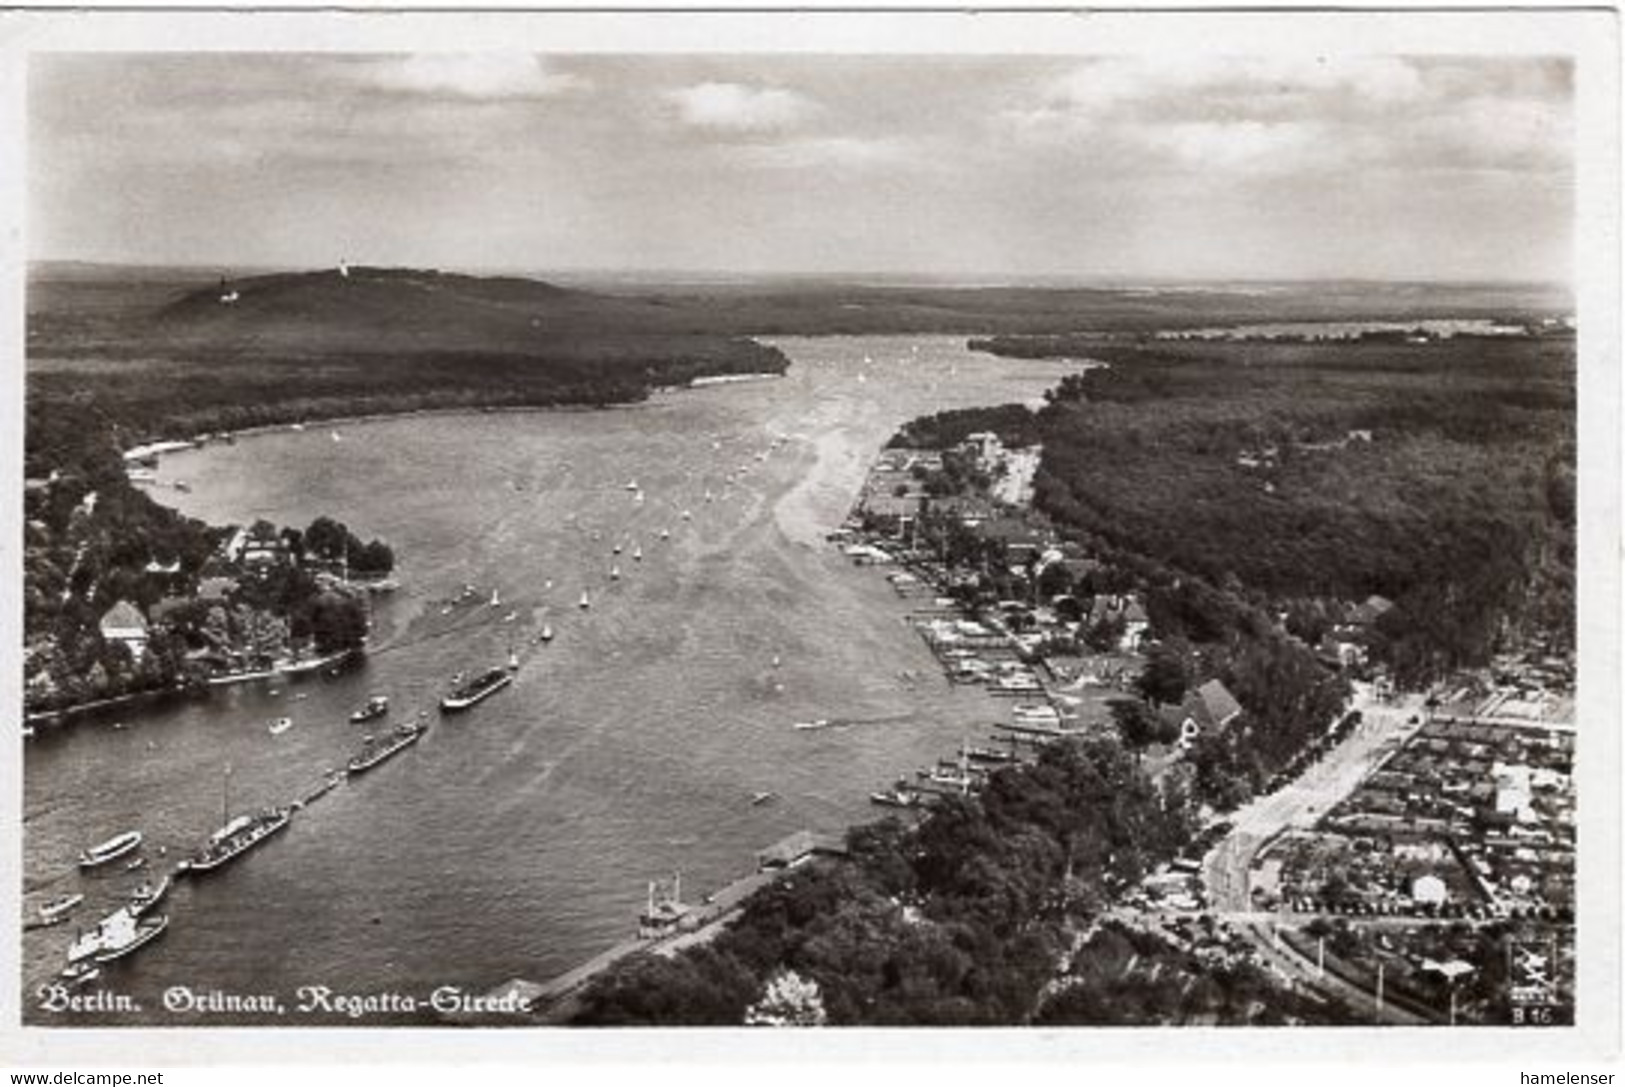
<point>517,839</point>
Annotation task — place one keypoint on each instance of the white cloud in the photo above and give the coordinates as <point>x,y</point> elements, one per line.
<point>1246,86</point>
<point>470,75</point>
<point>1237,145</point>
<point>824,152</point>
<point>736,107</point>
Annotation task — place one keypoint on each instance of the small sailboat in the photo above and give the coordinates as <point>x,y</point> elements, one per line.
<point>496,599</point>
<point>637,553</point>
<point>614,573</point>
<point>687,516</point>
<point>632,485</point>
<point>585,603</point>
<point>513,661</point>
<point>616,550</point>
<point>547,632</point>
<point>665,534</point>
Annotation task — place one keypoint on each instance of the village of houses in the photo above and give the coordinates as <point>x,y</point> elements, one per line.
<point>1462,817</point>
<point>221,619</point>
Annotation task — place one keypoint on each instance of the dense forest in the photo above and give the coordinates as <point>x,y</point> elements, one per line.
<point>1440,476</point>
<point>967,919</point>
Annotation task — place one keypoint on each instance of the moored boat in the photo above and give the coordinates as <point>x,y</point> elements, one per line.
<point>280,725</point>
<point>80,973</point>
<point>237,837</point>
<point>376,707</point>
<point>476,690</point>
<point>898,797</point>
<point>124,933</point>
<point>822,722</point>
<point>146,896</point>
<point>110,850</point>
<point>375,749</point>
<point>59,907</point>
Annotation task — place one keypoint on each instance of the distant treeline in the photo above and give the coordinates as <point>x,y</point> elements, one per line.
<point>142,404</point>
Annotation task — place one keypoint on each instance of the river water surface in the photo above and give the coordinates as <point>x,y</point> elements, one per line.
<point>518,839</point>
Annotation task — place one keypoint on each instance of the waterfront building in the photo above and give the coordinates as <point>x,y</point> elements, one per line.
<point>125,625</point>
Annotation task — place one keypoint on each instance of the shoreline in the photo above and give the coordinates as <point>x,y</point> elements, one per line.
<point>211,437</point>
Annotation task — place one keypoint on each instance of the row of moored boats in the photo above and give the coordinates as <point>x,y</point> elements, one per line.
<point>134,924</point>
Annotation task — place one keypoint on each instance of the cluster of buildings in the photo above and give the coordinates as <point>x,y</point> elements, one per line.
<point>1469,818</point>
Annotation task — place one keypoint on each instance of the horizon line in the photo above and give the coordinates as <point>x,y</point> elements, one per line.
<point>855,277</point>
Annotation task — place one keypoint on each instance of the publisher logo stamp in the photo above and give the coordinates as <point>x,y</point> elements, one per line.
<point>1533,993</point>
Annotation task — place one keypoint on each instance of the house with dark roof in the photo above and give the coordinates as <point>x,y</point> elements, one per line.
<point>1206,710</point>
<point>1022,542</point>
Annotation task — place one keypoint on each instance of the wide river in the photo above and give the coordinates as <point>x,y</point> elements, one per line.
<point>518,839</point>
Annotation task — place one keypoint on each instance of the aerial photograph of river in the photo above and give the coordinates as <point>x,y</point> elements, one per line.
<point>906,521</point>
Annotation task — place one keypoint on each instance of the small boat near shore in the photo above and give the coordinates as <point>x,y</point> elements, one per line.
<point>375,749</point>
<point>58,908</point>
<point>376,707</point>
<point>476,690</point>
<point>280,725</point>
<point>898,796</point>
<point>110,850</point>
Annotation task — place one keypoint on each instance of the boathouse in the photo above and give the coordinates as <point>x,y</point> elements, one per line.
<point>798,848</point>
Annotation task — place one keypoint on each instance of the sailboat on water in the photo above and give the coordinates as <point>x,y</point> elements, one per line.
<point>585,603</point>
<point>637,553</point>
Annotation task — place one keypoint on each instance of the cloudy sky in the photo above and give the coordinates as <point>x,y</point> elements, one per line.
<point>985,168</point>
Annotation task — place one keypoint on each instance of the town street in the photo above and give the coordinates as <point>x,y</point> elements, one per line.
<point>1383,727</point>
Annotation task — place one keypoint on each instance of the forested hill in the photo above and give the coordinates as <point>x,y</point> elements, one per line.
<point>156,357</point>
<point>404,309</point>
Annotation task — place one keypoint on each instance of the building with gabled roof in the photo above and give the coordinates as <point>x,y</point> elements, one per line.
<point>125,625</point>
<point>1207,709</point>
